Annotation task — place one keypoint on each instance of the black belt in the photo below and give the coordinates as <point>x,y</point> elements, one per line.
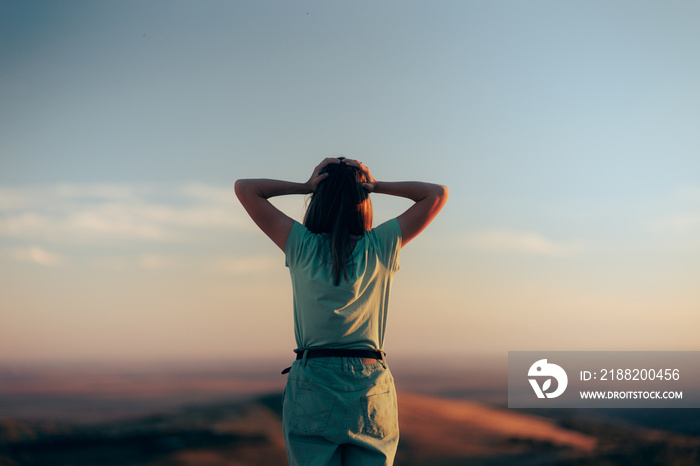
<point>340,353</point>
<point>335,353</point>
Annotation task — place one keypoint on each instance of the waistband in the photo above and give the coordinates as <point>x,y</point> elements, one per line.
<point>342,353</point>
<point>334,353</point>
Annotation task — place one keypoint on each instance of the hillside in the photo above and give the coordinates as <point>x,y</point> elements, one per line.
<point>434,431</point>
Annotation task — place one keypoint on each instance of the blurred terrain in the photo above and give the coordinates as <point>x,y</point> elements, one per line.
<point>230,414</point>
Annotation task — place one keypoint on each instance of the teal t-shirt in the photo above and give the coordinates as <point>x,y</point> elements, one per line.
<point>353,314</point>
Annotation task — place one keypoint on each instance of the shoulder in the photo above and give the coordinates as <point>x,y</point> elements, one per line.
<point>391,229</point>
<point>386,239</point>
<point>300,242</point>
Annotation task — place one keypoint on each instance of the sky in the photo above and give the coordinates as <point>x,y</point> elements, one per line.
<point>566,132</point>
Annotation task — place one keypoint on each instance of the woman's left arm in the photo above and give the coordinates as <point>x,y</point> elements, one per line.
<point>254,195</point>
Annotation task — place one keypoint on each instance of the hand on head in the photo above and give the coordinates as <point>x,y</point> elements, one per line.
<point>369,184</point>
<point>317,176</point>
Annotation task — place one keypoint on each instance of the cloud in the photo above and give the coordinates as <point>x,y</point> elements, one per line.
<point>247,265</point>
<point>155,261</point>
<point>96,212</point>
<point>210,194</point>
<point>101,191</point>
<point>26,223</point>
<point>53,197</point>
<point>131,262</point>
<point>520,242</point>
<point>688,193</point>
<point>11,198</point>
<point>680,223</point>
<point>37,255</point>
<point>686,219</point>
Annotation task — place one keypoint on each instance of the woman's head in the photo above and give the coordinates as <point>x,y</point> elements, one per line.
<point>341,208</point>
<point>340,202</point>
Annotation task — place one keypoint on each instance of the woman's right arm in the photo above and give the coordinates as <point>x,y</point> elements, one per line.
<point>428,200</point>
<point>254,195</point>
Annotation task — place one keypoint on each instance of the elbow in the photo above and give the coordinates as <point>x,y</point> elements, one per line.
<point>441,193</point>
<point>435,195</point>
<point>239,187</point>
<point>247,189</point>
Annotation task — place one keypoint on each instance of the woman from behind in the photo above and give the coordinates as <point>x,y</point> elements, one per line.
<point>340,404</point>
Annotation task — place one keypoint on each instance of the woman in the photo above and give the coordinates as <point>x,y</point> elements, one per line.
<point>340,402</point>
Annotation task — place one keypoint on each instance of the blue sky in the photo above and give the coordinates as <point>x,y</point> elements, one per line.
<point>566,131</point>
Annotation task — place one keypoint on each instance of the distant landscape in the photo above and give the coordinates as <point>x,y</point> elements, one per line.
<point>451,413</point>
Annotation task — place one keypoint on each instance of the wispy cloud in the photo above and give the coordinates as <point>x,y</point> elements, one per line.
<point>229,265</point>
<point>131,262</point>
<point>52,197</point>
<point>209,194</point>
<point>107,192</point>
<point>37,255</point>
<point>247,265</point>
<point>689,193</point>
<point>508,241</point>
<point>120,228</point>
<point>26,224</point>
<point>97,212</point>
<point>680,223</point>
<point>686,218</point>
<point>156,261</point>
<point>12,198</point>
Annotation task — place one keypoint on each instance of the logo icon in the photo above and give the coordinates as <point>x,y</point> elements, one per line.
<point>544,369</point>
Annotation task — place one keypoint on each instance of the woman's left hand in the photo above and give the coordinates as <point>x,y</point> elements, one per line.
<point>317,176</point>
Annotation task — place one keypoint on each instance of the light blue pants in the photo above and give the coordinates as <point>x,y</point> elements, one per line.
<point>338,411</point>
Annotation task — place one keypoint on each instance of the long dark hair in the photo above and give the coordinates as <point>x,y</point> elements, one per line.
<point>340,208</point>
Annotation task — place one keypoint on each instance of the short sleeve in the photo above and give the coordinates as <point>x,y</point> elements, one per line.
<point>388,236</point>
<point>295,244</point>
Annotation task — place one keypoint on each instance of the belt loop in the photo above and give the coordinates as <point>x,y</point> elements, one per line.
<point>303,359</point>
<point>382,356</point>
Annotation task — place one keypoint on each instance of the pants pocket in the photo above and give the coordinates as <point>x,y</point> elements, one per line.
<point>380,414</point>
<point>311,408</point>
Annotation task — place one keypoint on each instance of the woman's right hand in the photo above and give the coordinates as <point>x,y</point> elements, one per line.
<point>369,185</point>
<point>317,177</point>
